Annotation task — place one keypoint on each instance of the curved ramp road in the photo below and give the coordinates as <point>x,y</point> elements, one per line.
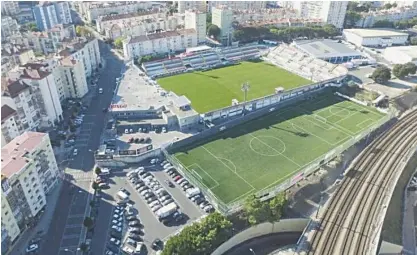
<point>351,223</point>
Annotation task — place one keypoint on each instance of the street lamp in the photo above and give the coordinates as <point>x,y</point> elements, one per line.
<point>252,251</point>
<point>245,88</point>
<point>68,250</point>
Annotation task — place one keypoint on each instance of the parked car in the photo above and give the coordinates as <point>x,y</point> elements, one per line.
<point>152,204</point>
<point>75,153</point>
<point>134,224</point>
<point>157,244</point>
<point>125,191</point>
<point>177,177</point>
<point>156,208</point>
<point>194,198</point>
<point>115,241</point>
<point>113,248</point>
<point>209,209</point>
<point>144,192</point>
<point>115,234</point>
<point>135,230</point>
<point>131,218</point>
<point>116,228</point>
<point>116,223</point>
<point>167,202</point>
<point>144,187</point>
<point>198,201</point>
<point>170,184</point>
<point>135,237</point>
<point>166,197</point>
<point>151,199</point>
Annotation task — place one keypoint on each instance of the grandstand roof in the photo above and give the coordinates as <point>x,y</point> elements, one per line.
<point>367,33</point>
<point>198,48</point>
<point>325,48</point>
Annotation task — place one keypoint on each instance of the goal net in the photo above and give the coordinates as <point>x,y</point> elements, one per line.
<point>319,118</point>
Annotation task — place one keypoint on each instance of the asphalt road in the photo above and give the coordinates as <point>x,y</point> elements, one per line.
<point>151,225</point>
<point>65,231</point>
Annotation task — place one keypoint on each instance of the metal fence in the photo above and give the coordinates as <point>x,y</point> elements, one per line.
<point>273,191</point>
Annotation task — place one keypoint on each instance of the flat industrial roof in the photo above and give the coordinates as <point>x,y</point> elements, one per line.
<point>135,92</point>
<point>375,32</point>
<point>325,48</point>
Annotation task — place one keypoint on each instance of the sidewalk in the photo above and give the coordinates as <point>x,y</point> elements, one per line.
<point>43,225</point>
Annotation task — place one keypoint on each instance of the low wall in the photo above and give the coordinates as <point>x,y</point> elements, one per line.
<point>283,226</point>
<point>124,160</point>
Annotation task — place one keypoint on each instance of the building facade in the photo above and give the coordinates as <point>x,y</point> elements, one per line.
<point>331,12</point>
<point>263,15</point>
<point>222,16</point>
<point>239,5</point>
<point>9,27</point>
<point>159,43</point>
<point>196,20</point>
<point>29,171</point>
<point>10,8</point>
<point>52,40</point>
<point>9,124</point>
<point>50,14</point>
<point>194,5</point>
<point>395,14</point>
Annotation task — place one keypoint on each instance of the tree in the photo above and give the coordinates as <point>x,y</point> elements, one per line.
<point>97,170</point>
<point>411,68</point>
<point>32,27</point>
<point>83,247</point>
<point>72,128</point>
<point>351,19</point>
<point>387,6</point>
<point>238,35</point>
<point>330,29</point>
<point>381,74</point>
<point>88,222</point>
<point>95,186</point>
<point>118,43</point>
<point>255,211</point>
<point>213,31</point>
<point>80,30</point>
<point>384,24</point>
<point>399,71</point>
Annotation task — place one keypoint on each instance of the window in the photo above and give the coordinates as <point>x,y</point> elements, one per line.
<point>37,191</point>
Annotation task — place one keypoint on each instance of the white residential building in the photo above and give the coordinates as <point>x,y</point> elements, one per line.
<point>196,20</point>
<point>28,172</point>
<point>10,8</point>
<point>263,15</point>
<point>393,15</point>
<point>331,12</point>
<point>401,55</point>
<point>19,96</point>
<point>194,5</point>
<point>50,14</point>
<point>43,88</point>
<point>52,40</point>
<point>92,10</point>
<point>73,79</point>
<point>222,16</point>
<point>13,55</point>
<point>10,124</point>
<point>9,27</point>
<point>159,43</point>
<point>86,51</point>
<point>374,37</point>
<point>239,5</point>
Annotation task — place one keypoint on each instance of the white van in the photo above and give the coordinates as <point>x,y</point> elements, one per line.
<point>104,171</point>
<point>139,247</point>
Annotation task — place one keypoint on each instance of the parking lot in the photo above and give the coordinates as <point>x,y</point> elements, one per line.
<point>151,226</point>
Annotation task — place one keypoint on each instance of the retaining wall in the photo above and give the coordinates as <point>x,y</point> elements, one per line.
<point>283,226</point>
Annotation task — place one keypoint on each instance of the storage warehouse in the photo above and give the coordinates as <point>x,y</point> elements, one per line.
<point>328,50</point>
<point>401,55</point>
<point>374,37</point>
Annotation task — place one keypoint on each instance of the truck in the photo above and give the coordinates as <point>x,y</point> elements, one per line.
<point>122,197</point>
<point>166,210</point>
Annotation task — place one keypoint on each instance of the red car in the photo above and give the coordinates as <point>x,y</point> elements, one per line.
<point>177,177</point>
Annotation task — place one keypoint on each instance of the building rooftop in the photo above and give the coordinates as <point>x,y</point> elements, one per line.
<point>126,15</point>
<point>367,33</point>
<point>325,48</point>
<point>6,112</point>
<point>159,35</point>
<point>408,50</point>
<point>16,87</point>
<point>13,154</point>
<point>136,92</point>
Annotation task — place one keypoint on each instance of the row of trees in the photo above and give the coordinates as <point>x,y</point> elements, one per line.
<point>248,34</point>
<point>204,237</point>
<point>383,74</point>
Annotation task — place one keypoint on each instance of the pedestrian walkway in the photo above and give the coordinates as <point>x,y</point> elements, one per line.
<point>42,227</point>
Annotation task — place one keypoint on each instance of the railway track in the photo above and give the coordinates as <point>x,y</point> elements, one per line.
<point>350,221</point>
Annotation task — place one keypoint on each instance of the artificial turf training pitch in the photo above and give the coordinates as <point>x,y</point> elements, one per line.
<point>267,151</point>
<point>215,89</point>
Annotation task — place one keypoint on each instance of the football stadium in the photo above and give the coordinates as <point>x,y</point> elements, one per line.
<point>291,121</point>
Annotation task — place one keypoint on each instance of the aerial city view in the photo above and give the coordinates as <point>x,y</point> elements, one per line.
<point>208,127</point>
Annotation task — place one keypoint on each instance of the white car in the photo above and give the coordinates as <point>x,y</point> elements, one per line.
<point>167,165</point>
<point>154,203</point>
<point>116,223</point>
<point>75,153</point>
<point>117,217</point>
<point>142,188</point>
<point>100,90</point>
<point>179,180</point>
<point>32,247</point>
<point>145,192</point>
<point>156,208</point>
<point>116,228</point>
<point>166,197</point>
<point>164,163</point>
<point>115,241</point>
<point>159,190</point>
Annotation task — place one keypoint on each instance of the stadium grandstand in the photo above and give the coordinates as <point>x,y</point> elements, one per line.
<point>201,61</point>
<point>296,61</point>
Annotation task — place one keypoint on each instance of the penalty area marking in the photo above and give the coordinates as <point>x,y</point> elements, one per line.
<point>192,172</point>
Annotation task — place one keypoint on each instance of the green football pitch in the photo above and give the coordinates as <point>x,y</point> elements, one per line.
<point>267,151</point>
<point>214,89</point>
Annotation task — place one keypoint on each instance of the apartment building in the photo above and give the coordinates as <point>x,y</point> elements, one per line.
<point>13,55</point>
<point>9,124</point>
<point>136,24</point>
<point>280,23</point>
<point>331,12</point>
<point>19,96</point>
<point>394,14</point>
<point>43,90</point>
<point>200,6</point>
<point>222,16</point>
<point>263,15</point>
<point>29,171</point>
<point>238,5</point>
<point>9,27</point>
<point>90,11</point>
<point>50,14</point>
<point>159,43</point>
<point>83,50</point>
<point>52,40</point>
<point>10,8</point>
<point>195,19</point>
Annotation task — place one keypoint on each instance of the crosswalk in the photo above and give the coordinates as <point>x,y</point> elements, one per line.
<point>78,176</point>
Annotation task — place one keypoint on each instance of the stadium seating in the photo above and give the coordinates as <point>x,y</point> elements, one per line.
<point>296,61</point>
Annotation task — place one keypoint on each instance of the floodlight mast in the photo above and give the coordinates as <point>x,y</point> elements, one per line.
<point>245,88</point>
